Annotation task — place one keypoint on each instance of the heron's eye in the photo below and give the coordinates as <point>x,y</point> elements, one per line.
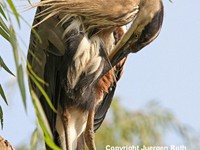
<point>136,35</point>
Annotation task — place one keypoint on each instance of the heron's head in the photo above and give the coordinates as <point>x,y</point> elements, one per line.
<point>147,24</point>
<point>143,30</point>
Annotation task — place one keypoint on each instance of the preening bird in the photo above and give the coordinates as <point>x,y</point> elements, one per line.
<point>81,56</point>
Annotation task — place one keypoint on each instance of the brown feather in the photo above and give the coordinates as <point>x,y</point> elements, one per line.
<point>94,13</point>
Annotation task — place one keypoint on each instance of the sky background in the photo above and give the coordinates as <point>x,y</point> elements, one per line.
<point>167,71</point>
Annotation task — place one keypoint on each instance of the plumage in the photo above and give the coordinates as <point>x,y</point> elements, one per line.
<point>78,62</point>
<point>98,13</point>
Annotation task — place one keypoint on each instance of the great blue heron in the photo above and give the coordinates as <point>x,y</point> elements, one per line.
<point>79,62</point>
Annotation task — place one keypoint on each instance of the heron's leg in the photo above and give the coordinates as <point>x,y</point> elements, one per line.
<point>81,142</point>
<point>74,123</point>
<point>89,131</point>
<point>65,120</point>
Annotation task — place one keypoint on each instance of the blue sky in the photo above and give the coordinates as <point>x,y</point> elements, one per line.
<point>167,70</point>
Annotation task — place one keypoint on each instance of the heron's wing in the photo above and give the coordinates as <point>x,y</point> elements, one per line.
<point>105,104</point>
<point>44,58</point>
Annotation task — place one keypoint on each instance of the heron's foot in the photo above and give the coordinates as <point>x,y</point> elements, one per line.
<point>89,131</point>
<point>89,139</point>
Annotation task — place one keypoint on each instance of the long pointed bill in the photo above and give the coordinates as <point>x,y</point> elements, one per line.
<point>122,49</point>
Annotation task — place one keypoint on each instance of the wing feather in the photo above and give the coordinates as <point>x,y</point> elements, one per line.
<point>102,109</point>
<point>96,13</point>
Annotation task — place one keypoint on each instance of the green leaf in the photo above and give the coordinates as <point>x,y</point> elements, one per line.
<point>4,34</point>
<point>3,25</point>
<point>4,66</point>
<point>34,140</point>
<point>40,114</point>
<point>20,77</point>
<point>51,144</point>
<point>29,1</point>
<point>34,74</point>
<point>42,91</point>
<point>14,44</point>
<point>4,31</point>
<point>32,30</point>
<point>2,12</point>
<point>12,6</point>
<point>2,94</point>
<point>48,137</point>
<point>1,117</point>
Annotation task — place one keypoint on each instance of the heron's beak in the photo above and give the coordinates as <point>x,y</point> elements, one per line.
<point>126,45</point>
